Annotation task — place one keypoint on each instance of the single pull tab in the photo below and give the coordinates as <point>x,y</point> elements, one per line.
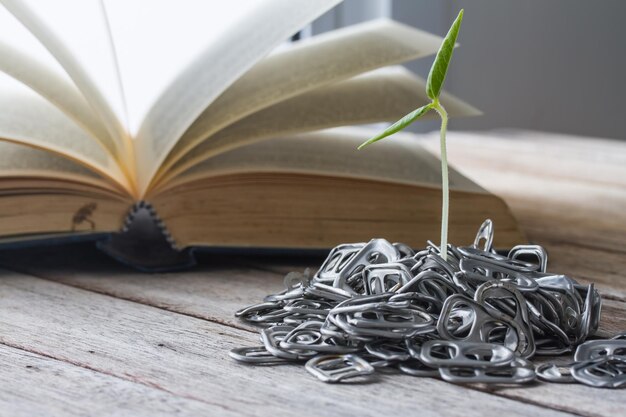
<point>485,232</point>
<point>533,251</point>
<point>335,368</point>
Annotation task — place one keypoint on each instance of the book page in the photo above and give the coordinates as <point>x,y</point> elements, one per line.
<point>76,34</point>
<point>386,94</point>
<point>60,211</point>
<point>58,90</point>
<point>306,65</point>
<point>334,152</point>
<point>21,161</point>
<point>24,58</point>
<point>29,119</point>
<point>253,33</point>
<point>155,40</point>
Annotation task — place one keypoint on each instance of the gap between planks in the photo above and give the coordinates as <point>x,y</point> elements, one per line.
<point>104,335</point>
<point>228,287</point>
<point>89,286</point>
<point>527,213</point>
<point>79,390</point>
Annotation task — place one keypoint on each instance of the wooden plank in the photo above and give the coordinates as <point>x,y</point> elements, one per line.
<point>567,193</point>
<point>219,286</point>
<point>35,385</point>
<point>559,187</point>
<point>188,357</point>
<point>613,319</point>
<point>214,289</point>
<point>606,269</point>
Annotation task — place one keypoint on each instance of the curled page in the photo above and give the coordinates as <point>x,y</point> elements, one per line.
<point>306,65</point>
<point>57,89</point>
<point>20,162</point>
<point>382,95</point>
<point>155,40</point>
<point>253,34</point>
<point>331,153</point>
<point>76,33</point>
<point>27,118</point>
<point>24,58</point>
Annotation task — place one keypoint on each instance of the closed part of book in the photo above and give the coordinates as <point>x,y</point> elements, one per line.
<point>232,136</point>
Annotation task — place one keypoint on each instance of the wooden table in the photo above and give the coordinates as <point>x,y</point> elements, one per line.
<point>82,335</point>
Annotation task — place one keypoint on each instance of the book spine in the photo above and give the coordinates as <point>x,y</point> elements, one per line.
<point>144,205</point>
<point>161,225</point>
<point>130,217</point>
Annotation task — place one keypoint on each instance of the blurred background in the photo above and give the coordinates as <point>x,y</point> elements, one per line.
<point>555,66</point>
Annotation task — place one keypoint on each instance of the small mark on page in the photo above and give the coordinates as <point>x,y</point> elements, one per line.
<point>83,215</point>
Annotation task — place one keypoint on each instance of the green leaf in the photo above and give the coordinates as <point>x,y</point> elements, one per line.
<point>438,71</point>
<point>400,124</point>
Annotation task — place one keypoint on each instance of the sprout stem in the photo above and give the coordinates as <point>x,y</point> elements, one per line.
<point>436,78</point>
<point>445,189</point>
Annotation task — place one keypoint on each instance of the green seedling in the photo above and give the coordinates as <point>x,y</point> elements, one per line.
<point>434,83</point>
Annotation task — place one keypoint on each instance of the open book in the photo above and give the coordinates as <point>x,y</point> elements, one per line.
<point>204,111</point>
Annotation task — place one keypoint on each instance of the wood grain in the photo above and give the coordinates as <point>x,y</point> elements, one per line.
<point>188,357</point>
<point>35,385</point>
<point>213,291</point>
<point>163,338</point>
<point>204,293</point>
<point>560,188</point>
<point>567,193</point>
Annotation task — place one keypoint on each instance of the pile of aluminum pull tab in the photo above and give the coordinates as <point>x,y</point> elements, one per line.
<point>476,317</point>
